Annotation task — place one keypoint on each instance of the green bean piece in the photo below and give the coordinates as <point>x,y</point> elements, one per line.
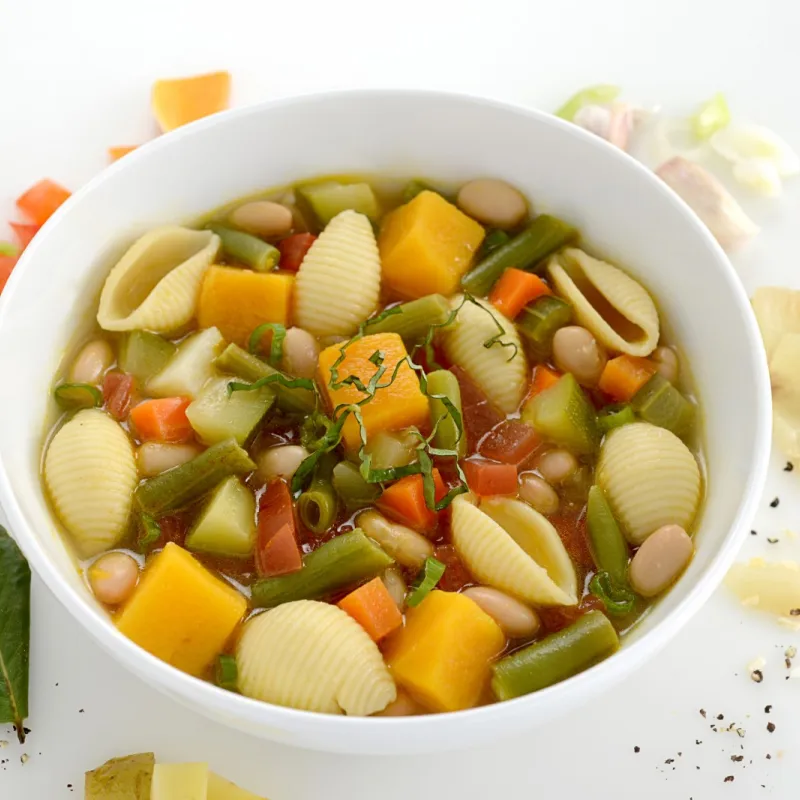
<point>239,362</point>
<point>615,416</point>
<point>589,640</point>
<point>660,403</point>
<point>539,321</point>
<point>317,504</point>
<point>348,559</point>
<point>606,542</point>
<point>77,395</point>
<point>144,354</point>
<point>450,433</point>
<point>411,320</point>
<point>247,249</point>
<point>618,600</point>
<point>564,415</point>
<point>494,240</point>
<point>543,236</point>
<point>226,673</point>
<point>178,487</point>
<point>353,490</point>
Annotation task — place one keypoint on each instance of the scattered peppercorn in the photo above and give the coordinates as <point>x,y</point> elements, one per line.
<point>669,761</point>
<point>720,716</point>
<point>636,749</point>
<point>767,709</point>
<point>770,726</point>
<point>697,741</point>
<point>703,711</point>
<point>789,467</point>
<point>729,779</point>
<point>754,533</point>
<point>737,758</point>
<point>769,756</point>
<point>775,503</point>
<point>757,675</point>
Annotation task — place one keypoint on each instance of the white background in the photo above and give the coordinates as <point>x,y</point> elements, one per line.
<point>75,78</point>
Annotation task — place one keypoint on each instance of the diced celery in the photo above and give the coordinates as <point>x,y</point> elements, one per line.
<point>226,526</point>
<point>564,415</point>
<point>412,320</point>
<point>192,365</point>
<point>615,416</point>
<point>539,321</point>
<point>215,415</point>
<point>330,198</point>
<point>144,354</point>
<point>660,403</point>
<point>391,449</point>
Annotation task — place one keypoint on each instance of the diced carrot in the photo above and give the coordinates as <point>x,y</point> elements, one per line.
<point>24,232</point>
<point>623,376</point>
<point>543,378</point>
<point>277,551</point>
<point>117,392</point>
<point>511,442</point>
<point>293,250</point>
<point>404,501</point>
<point>41,200</point>
<point>163,420</point>
<point>7,264</point>
<point>486,479</point>
<point>515,290</point>
<point>372,607</point>
<point>116,153</point>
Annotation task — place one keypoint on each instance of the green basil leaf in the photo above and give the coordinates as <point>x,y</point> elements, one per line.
<point>276,345</point>
<point>150,533</point>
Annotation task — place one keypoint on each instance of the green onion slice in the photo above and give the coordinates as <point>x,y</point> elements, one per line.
<point>426,580</point>
<point>283,380</point>
<point>8,249</point>
<point>713,116</point>
<point>615,416</point>
<point>618,600</point>
<point>276,343</point>
<point>78,395</point>
<point>226,673</point>
<point>591,95</point>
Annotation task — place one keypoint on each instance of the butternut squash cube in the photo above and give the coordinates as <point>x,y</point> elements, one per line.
<point>181,612</point>
<point>395,407</point>
<point>426,246</point>
<point>442,656</point>
<point>237,301</point>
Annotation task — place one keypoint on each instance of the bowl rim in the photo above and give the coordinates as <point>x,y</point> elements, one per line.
<point>199,693</point>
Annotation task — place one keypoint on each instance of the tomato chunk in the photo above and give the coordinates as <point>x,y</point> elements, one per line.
<point>479,414</point>
<point>293,250</point>
<point>41,200</point>
<point>24,233</point>
<point>511,442</point>
<point>7,264</point>
<point>117,392</point>
<point>277,551</point>
<point>485,478</point>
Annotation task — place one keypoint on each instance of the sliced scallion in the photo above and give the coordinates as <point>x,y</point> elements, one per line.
<point>226,673</point>
<point>591,95</point>
<point>276,341</point>
<point>713,116</point>
<point>614,416</point>
<point>78,395</point>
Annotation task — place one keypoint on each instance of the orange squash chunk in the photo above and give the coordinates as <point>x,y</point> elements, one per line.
<point>395,407</point>
<point>116,153</point>
<point>178,101</point>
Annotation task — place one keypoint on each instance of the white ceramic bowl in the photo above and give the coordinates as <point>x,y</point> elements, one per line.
<point>622,210</point>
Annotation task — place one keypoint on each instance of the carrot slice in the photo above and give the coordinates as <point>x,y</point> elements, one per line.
<point>24,232</point>
<point>515,290</point>
<point>41,200</point>
<point>543,378</point>
<point>372,607</point>
<point>163,420</point>
<point>404,501</point>
<point>486,479</point>
<point>116,153</point>
<point>623,376</point>
<point>179,101</point>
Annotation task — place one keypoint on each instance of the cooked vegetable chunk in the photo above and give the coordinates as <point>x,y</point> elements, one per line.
<point>226,525</point>
<point>426,246</point>
<point>328,199</point>
<point>442,655</point>
<point>188,370</point>
<point>180,782</point>
<point>373,608</point>
<point>220,789</point>
<point>180,612</point>
<point>127,778</point>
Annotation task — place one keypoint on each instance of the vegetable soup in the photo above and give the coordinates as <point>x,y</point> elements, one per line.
<point>372,451</point>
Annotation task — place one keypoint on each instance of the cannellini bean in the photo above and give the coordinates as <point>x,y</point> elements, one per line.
<point>91,363</point>
<point>263,218</point>
<point>660,560</point>
<point>492,202</point>
<point>113,577</point>
<point>300,353</point>
<point>281,461</point>
<point>516,620</point>
<point>557,466</point>
<point>575,350</point>
<point>667,360</point>
<point>537,492</point>
<point>396,585</point>
<point>403,706</point>
<point>153,458</point>
<point>405,546</point>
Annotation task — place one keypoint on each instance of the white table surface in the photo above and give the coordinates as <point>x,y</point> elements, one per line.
<point>75,78</point>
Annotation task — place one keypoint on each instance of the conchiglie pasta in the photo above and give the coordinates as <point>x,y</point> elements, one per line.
<point>617,309</point>
<point>650,479</point>
<point>501,372</point>
<point>155,285</point>
<point>495,558</point>
<point>90,472</point>
<point>312,656</point>
<point>339,281</point>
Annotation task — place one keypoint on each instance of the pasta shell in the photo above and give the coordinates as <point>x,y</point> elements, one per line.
<point>650,478</point>
<point>495,557</point>
<point>155,285</point>
<point>90,472</point>
<point>499,371</point>
<point>612,305</point>
<point>339,281</point>
<point>314,657</point>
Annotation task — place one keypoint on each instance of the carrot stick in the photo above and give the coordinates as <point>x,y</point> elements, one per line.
<point>372,607</point>
<point>623,376</point>
<point>163,420</point>
<point>515,290</point>
<point>404,501</point>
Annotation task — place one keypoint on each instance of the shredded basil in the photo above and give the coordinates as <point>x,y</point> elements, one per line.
<point>426,580</point>
<point>150,533</point>
<point>279,377</point>
<point>226,673</point>
<point>276,344</point>
<point>617,599</point>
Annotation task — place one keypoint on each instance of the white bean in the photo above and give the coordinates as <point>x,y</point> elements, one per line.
<point>153,458</point>
<point>557,466</point>
<point>575,350</point>
<point>660,560</point>
<point>91,363</point>
<point>396,585</point>
<point>263,218</point>
<point>516,620</point>
<point>403,706</point>
<point>537,492</point>
<point>405,546</point>
<point>492,202</point>
<point>667,362</point>
<point>281,461</point>
<point>113,577</point>
<point>300,353</point>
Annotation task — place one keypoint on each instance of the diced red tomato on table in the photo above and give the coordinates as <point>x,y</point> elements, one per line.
<point>7,264</point>
<point>42,200</point>
<point>24,233</point>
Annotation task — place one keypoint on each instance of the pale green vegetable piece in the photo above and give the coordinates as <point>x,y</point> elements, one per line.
<point>192,365</point>
<point>327,200</point>
<point>226,526</point>
<point>126,778</point>
<point>591,95</point>
<point>221,789</point>
<point>713,116</point>
<point>180,782</point>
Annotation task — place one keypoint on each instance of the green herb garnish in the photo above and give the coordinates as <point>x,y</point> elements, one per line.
<point>426,580</point>
<point>150,533</point>
<point>617,599</point>
<point>279,378</point>
<point>276,343</point>
<point>78,395</point>
<point>226,673</point>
